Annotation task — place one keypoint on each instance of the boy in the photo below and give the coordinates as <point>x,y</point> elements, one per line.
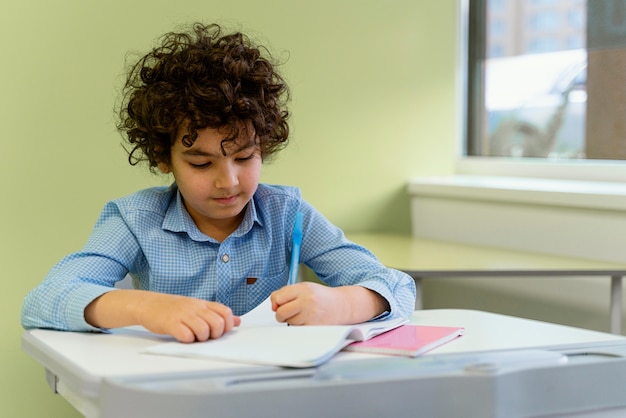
<point>209,109</point>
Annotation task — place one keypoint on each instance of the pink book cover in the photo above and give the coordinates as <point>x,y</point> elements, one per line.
<point>407,340</point>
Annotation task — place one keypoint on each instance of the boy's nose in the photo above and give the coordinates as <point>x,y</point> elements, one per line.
<point>226,178</point>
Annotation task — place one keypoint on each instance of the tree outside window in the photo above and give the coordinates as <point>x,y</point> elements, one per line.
<point>547,79</point>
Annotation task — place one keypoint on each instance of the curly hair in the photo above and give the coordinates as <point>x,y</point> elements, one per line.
<point>200,79</point>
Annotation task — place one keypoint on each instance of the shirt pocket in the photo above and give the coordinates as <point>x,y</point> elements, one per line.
<point>257,284</point>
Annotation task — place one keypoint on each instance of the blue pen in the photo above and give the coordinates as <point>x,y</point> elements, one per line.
<point>296,240</point>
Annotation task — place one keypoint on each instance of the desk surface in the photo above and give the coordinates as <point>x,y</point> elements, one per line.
<point>90,357</point>
<point>79,365</point>
<point>431,258</point>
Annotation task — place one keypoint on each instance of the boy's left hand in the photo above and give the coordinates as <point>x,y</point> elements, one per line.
<point>310,303</point>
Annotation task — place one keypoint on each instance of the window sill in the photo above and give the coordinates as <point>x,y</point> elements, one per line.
<point>550,192</point>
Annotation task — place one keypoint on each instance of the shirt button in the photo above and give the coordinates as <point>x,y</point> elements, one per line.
<point>225,258</point>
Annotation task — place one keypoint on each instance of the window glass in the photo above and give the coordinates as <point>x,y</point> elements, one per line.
<point>546,79</point>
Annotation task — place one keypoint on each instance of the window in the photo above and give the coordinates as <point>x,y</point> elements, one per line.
<point>546,81</point>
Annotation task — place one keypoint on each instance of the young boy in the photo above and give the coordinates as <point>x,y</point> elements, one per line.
<point>209,109</point>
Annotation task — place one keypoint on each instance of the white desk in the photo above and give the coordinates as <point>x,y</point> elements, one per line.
<point>92,371</point>
<point>422,258</point>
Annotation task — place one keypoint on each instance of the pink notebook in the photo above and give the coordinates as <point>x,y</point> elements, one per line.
<point>407,340</point>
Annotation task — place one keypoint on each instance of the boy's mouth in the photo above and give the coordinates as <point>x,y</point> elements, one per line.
<point>226,199</point>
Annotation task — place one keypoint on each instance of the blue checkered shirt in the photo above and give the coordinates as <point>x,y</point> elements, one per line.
<point>150,236</point>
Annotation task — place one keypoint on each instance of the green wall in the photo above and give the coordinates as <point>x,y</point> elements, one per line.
<point>373,104</point>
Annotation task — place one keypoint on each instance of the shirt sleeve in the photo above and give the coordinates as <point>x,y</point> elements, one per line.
<point>59,301</point>
<point>339,262</point>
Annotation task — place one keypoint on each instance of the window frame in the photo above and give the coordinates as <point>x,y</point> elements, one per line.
<point>470,61</point>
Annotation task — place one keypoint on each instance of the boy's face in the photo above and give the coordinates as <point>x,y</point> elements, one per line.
<point>215,187</point>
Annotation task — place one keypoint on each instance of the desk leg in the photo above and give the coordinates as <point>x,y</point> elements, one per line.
<point>52,380</point>
<point>616,304</point>
<point>419,304</point>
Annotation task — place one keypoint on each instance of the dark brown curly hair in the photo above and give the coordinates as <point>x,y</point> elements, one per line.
<point>202,78</point>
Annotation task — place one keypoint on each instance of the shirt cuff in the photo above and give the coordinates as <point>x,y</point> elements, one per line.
<point>75,310</point>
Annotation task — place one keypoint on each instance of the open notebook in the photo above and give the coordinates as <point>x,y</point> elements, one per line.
<point>260,339</point>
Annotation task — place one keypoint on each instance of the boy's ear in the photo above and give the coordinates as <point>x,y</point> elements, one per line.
<point>164,167</point>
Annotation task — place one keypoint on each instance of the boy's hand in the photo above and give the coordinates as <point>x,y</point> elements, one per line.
<point>309,303</point>
<point>186,319</point>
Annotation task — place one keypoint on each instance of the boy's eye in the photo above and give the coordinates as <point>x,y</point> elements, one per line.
<point>203,165</point>
<point>245,158</point>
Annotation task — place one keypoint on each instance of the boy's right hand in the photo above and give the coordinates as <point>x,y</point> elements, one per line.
<point>186,319</point>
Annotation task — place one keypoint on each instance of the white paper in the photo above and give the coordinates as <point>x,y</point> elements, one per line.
<point>260,339</point>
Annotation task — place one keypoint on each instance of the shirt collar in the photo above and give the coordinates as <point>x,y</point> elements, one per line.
<point>177,219</point>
